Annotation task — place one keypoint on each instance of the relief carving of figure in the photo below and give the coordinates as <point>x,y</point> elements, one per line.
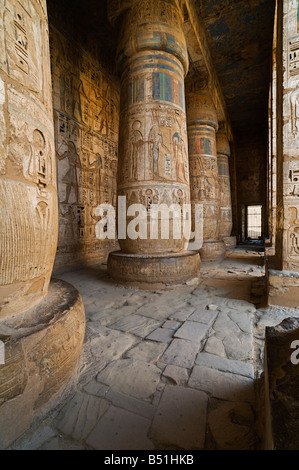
<point>40,165</point>
<point>155,139</point>
<point>178,157</point>
<point>295,111</point>
<point>71,177</point>
<point>136,149</point>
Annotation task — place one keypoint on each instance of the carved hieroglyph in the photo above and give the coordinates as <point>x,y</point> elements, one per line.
<point>153,155</point>
<point>287,247</point>
<point>223,153</point>
<point>86,119</point>
<point>28,197</point>
<point>204,180</point>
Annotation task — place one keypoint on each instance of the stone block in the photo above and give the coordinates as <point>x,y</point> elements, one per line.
<point>120,430</point>
<point>180,419</point>
<point>181,353</point>
<point>192,331</point>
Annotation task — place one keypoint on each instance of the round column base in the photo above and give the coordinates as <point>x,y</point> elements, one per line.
<point>230,242</point>
<point>152,271</point>
<point>213,251</point>
<point>41,352</point>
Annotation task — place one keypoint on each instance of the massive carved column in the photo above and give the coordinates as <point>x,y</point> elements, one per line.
<point>153,156</point>
<point>284,278</point>
<point>204,181</point>
<point>226,219</point>
<point>42,342</point>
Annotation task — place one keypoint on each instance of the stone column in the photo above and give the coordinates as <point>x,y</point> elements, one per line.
<point>284,274</point>
<point>226,218</point>
<point>42,342</point>
<point>153,156</point>
<point>204,180</point>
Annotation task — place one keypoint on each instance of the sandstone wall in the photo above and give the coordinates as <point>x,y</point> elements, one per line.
<point>86,121</point>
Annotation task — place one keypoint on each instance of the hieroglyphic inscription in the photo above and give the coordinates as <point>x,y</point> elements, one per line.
<point>86,118</point>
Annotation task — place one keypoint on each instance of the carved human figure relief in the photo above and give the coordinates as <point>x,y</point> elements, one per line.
<point>70,179</point>
<point>136,149</point>
<point>294,98</point>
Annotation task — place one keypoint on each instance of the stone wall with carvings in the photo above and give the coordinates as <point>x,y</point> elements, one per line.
<point>86,122</point>
<point>287,230</point>
<point>28,199</point>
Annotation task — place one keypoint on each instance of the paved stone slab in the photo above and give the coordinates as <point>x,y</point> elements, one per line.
<point>232,426</point>
<point>225,365</point>
<point>147,351</point>
<point>192,331</point>
<point>182,314</point>
<point>178,375</point>
<point>171,325</point>
<point>97,389</point>
<point>239,346</point>
<point>107,345</point>
<point>204,316</point>
<point>224,325</point>
<point>215,346</point>
<point>181,418</point>
<point>142,408</point>
<point>131,377</point>
<point>80,415</point>
<point>161,335</point>
<point>136,324</point>
<point>223,385</point>
<point>181,353</point>
<point>120,430</point>
<point>244,321</point>
<point>161,308</point>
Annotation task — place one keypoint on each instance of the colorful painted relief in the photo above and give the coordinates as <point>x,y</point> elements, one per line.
<point>86,119</point>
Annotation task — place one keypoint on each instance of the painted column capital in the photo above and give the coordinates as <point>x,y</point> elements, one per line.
<point>201,109</point>
<point>223,147</point>
<point>152,25</point>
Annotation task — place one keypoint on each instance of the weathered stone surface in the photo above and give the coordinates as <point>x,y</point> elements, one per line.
<point>42,354</point>
<point>124,376</point>
<point>28,191</point>
<point>162,335</point>
<point>181,418</point>
<point>192,331</point>
<point>137,325</point>
<point>181,353</point>
<point>215,346</point>
<point>176,374</point>
<point>142,408</point>
<point>120,430</point>
<point>282,384</point>
<point>223,385</point>
<point>283,288</point>
<point>203,316</point>
<point>232,426</point>
<point>171,325</point>
<point>80,415</point>
<point>182,314</point>
<point>238,346</point>
<point>97,389</point>
<point>225,365</point>
<point>108,345</point>
<point>146,351</point>
<point>153,270</point>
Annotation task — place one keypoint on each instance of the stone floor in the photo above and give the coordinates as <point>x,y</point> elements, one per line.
<point>179,368</point>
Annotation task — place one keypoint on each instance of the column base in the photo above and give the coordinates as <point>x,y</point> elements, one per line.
<point>213,251</point>
<point>283,288</point>
<point>152,271</point>
<point>230,242</point>
<point>42,347</point>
